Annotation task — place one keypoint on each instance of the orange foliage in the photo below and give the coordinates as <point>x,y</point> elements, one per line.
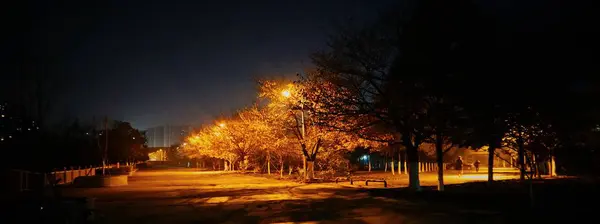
<point>287,122</point>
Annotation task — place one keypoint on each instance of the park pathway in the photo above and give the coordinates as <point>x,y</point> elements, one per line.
<point>188,196</point>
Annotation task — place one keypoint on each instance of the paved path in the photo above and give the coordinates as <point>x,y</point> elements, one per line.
<point>186,196</point>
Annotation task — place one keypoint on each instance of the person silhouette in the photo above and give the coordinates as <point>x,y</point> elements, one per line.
<point>459,166</point>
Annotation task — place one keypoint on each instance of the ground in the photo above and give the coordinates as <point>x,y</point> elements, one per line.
<point>189,196</point>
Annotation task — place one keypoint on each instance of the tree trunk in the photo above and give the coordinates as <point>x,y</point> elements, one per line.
<point>404,165</point>
<point>268,164</point>
<point>310,170</point>
<point>369,163</point>
<point>439,151</point>
<point>521,154</point>
<point>392,163</point>
<point>386,165</point>
<point>399,163</point>
<point>412,154</point>
<point>225,165</point>
<point>281,168</point>
<point>491,151</point>
<point>552,165</point>
<point>535,167</point>
<point>304,167</point>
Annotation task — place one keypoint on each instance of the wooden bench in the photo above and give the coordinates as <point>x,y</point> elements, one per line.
<point>348,176</point>
<point>344,178</point>
<point>376,180</point>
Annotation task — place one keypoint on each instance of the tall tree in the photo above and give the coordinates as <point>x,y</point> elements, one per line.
<point>399,68</point>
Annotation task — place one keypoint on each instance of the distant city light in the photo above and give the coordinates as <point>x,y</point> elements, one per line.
<point>365,157</point>
<point>2,115</point>
<point>133,138</point>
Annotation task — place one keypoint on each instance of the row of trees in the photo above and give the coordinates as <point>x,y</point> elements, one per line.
<point>281,129</point>
<point>439,73</point>
<point>438,77</point>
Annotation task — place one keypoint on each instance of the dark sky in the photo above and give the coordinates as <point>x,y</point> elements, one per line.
<point>179,62</point>
<point>183,62</point>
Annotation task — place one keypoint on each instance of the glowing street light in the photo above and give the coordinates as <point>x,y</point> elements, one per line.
<point>287,94</point>
<point>222,125</point>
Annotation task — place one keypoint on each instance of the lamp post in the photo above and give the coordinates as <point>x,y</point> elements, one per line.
<point>287,94</point>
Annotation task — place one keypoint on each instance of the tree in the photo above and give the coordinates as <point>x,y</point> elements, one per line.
<point>304,121</point>
<point>445,120</point>
<point>125,143</point>
<point>392,71</point>
<point>267,127</point>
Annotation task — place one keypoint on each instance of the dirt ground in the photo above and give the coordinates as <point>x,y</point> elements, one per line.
<point>188,196</point>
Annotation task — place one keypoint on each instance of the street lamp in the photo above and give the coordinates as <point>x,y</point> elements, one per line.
<point>287,94</point>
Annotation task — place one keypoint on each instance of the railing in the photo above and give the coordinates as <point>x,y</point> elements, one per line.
<point>23,180</point>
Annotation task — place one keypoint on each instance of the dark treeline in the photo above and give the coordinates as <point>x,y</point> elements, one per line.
<point>26,144</point>
<point>451,72</point>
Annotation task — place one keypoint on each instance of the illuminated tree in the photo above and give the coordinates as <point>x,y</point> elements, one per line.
<point>303,121</point>
<point>265,127</point>
<point>210,142</point>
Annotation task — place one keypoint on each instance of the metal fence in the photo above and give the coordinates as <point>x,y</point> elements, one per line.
<point>23,180</point>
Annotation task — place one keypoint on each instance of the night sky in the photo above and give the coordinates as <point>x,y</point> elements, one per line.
<point>177,62</point>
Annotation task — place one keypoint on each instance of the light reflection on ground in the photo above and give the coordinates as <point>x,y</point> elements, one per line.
<point>186,195</point>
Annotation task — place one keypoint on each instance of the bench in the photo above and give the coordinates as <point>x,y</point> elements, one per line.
<point>347,176</point>
<point>376,180</point>
<point>344,178</point>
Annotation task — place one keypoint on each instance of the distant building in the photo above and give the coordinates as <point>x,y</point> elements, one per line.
<point>166,135</point>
